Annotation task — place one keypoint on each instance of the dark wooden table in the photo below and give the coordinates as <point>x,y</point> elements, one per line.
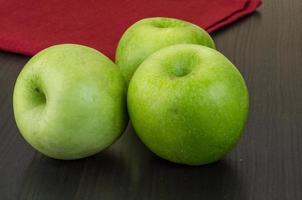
<point>265,165</point>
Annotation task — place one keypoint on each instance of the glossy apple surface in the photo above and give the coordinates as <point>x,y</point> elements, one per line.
<point>188,104</point>
<point>151,34</point>
<point>69,102</point>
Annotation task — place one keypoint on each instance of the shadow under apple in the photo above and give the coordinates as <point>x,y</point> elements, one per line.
<point>128,170</point>
<point>87,178</point>
<point>155,178</point>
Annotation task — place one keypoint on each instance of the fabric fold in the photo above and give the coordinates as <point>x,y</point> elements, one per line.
<point>26,27</point>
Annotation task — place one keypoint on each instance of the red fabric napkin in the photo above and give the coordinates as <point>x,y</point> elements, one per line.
<point>29,26</point>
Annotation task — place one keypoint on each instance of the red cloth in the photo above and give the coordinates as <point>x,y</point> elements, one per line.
<point>29,26</point>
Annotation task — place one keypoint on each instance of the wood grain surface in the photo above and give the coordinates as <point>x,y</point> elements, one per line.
<point>265,165</point>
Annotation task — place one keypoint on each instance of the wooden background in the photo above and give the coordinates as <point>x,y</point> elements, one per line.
<point>265,165</point>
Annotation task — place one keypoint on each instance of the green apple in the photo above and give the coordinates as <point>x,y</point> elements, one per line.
<point>188,104</point>
<point>70,102</point>
<point>151,34</point>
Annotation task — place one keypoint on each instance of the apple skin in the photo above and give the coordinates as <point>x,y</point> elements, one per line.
<point>188,104</point>
<point>70,102</point>
<point>151,34</point>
